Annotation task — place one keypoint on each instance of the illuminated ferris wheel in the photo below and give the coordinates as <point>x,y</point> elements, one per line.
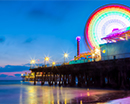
<point>103,21</point>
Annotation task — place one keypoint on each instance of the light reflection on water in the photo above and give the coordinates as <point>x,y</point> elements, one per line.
<point>29,94</point>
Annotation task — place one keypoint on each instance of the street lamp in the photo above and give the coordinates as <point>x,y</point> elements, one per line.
<point>38,62</point>
<point>53,63</point>
<point>32,62</point>
<point>46,59</point>
<point>65,56</point>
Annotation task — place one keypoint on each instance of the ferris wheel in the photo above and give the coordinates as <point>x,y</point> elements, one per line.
<point>102,22</point>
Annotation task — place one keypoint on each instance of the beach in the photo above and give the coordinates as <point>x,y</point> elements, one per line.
<point>18,92</point>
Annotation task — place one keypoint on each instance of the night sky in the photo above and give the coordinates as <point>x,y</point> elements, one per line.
<point>35,29</point>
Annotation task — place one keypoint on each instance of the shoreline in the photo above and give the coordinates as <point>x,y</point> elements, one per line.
<point>104,98</point>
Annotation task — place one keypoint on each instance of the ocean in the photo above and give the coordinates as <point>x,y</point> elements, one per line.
<point>18,92</point>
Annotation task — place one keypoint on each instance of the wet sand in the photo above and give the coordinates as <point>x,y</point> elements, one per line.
<point>104,98</point>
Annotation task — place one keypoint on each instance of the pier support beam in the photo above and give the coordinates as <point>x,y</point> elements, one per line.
<point>55,79</point>
<point>42,82</point>
<point>72,80</point>
<point>64,80</point>
<point>60,80</point>
<point>35,79</point>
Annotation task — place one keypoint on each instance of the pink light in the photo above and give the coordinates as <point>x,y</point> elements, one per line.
<point>116,33</point>
<point>115,29</point>
<point>78,38</point>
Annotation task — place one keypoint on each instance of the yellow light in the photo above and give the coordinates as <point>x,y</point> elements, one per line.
<point>104,51</point>
<point>122,38</point>
<point>32,74</point>
<point>53,63</point>
<point>88,93</point>
<point>47,58</point>
<point>81,102</point>
<point>93,55</point>
<point>32,62</point>
<point>65,55</point>
<point>21,74</point>
<point>97,50</point>
<point>113,40</point>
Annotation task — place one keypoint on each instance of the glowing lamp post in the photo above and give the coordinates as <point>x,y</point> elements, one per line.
<point>78,40</point>
<point>32,62</point>
<point>46,59</point>
<point>65,56</point>
<point>53,63</point>
<point>38,62</point>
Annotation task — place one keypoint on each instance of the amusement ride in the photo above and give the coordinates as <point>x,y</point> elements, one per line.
<point>107,24</point>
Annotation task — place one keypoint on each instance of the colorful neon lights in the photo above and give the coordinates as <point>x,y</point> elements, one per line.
<point>103,21</point>
<point>118,34</point>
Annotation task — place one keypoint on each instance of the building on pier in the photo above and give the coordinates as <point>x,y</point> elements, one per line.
<point>118,44</point>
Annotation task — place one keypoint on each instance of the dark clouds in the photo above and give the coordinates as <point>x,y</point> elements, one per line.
<point>11,68</point>
<point>3,75</point>
<point>29,40</point>
<point>18,75</point>
<point>51,10</point>
<point>2,39</point>
<point>37,13</point>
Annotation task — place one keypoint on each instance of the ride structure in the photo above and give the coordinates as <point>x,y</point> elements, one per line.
<point>118,35</point>
<point>103,21</point>
<point>108,24</point>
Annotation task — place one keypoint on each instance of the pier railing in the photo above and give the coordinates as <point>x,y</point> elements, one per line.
<point>108,57</point>
<point>117,56</point>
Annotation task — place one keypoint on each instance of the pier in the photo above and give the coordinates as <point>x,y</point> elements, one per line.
<point>113,74</point>
<point>105,65</point>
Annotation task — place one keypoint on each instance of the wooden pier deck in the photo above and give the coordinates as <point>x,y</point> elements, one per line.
<point>101,74</point>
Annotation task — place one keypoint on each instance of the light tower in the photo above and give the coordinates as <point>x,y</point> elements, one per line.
<point>78,40</point>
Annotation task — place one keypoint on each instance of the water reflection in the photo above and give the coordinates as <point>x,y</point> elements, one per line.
<point>29,94</point>
<point>59,95</point>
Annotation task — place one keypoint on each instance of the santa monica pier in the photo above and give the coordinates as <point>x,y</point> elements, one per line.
<point>107,62</point>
